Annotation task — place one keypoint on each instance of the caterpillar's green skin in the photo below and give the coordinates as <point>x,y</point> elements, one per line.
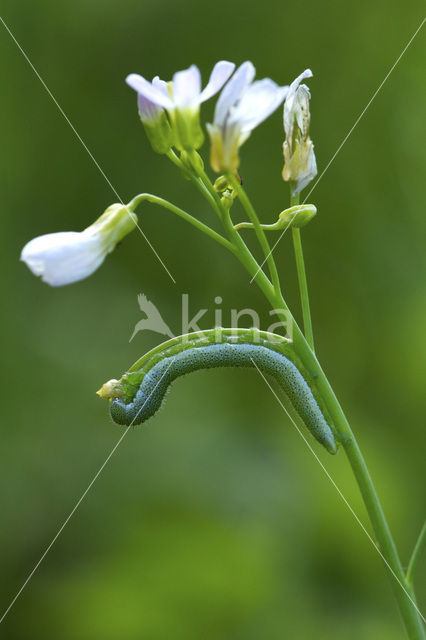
<point>140,391</point>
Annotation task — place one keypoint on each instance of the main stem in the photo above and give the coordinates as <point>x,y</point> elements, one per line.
<point>411,617</point>
<point>403,590</point>
<point>301,275</point>
<point>404,593</point>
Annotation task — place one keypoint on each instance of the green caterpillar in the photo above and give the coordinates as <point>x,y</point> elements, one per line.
<point>140,391</point>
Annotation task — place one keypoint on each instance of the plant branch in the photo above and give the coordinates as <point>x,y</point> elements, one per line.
<point>148,197</point>
<point>190,176</point>
<point>240,248</point>
<point>249,209</point>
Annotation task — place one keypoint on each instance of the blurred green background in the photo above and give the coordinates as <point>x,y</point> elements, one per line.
<point>214,521</point>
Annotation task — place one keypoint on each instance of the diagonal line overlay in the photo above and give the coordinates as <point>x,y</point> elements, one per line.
<point>80,500</point>
<point>306,441</point>
<point>80,139</point>
<point>339,148</point>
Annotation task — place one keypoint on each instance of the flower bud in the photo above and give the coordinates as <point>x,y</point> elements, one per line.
<point>221,184</point>
<point>156,124</point>
<point>181,98</point>
<point>296,216</point>
<point>68,256</point>
<point>186,128</point>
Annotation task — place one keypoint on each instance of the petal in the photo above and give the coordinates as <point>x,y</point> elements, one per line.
<point>146,89</point>
<point>63,258</point>
<point>301,109</point>
<point>310,171</point>
<point>162,85</point>
<point>148,110</point>
<point>187,87</point>
<point>290,106</point>
<point>241,79</point>
<point>220,74</point>
<point>257,103</point>
<point>307,73</point>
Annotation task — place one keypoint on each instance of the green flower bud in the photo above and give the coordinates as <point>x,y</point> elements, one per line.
<point>296,216</point>
<point>186,128</point>
<point>221,184</point>
<point>159,133</point>
<point>181,98</point>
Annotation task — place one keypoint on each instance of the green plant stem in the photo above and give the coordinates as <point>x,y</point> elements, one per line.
<point>240,248</point>
<point>404,594</point>
<point>249,209</point>
<point>148,197</point>
<point>249,225</point>
<point>378,520</point>
<point>301,276</point>
<point>359,467</point>
<point>418,547</point>
<point>411,617</point>
<point>403,589</point>
<point>205,180</point>
<point>189,175</point>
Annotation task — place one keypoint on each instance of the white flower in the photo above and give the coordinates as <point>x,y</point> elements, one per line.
<point>185,91</point>
<point>300,165</point>
<point>181,98</point>
<point>242,105</point>
<point>68,256</point>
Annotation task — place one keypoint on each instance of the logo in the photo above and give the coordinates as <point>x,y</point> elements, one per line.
<point>153,320</point>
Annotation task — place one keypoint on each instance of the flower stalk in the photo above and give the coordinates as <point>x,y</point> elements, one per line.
<point>303,283</point>
<point>149,197</point>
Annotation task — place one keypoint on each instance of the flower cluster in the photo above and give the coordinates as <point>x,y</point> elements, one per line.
<point>242,105</point>
<point>170,113</point>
